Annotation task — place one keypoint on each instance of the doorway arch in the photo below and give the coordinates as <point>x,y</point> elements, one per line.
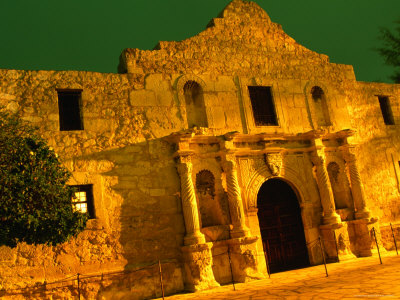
<point>281,226</point>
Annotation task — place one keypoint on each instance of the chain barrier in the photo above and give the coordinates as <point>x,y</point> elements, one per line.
<point>229,253</point>
<point>78,279</point>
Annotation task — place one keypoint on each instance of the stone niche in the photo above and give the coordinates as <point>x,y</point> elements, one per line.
<point>214,220</point>
<point>341,190</point>
<point>213,208</point>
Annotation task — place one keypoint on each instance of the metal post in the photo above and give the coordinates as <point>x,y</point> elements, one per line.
<point>230,265</point>
<point>266,255</point>
<point>337,249</point>
<point>394,239</point>
<point>323,254</point>
<point>377,247</point>
<point>161,280</point>
<point>79,290</point>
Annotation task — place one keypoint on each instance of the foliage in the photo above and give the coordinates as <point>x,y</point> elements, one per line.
<point>35,202</point>
<point>390,50</point>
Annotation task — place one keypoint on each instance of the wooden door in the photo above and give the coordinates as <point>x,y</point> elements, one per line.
<point>281,226</point>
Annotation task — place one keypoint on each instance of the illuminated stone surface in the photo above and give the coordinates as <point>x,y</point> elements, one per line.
<point>361,279</point>
<point>142,159</point>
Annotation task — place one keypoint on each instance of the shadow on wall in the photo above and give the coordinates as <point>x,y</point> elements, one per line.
<point>141,200</point>
<point>138,223</point>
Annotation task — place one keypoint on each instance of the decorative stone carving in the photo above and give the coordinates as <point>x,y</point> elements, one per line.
<point>274,162</point>
<point>339,249</point>
<point>211,210</point>
<point>246,266</point>
<point>235,199</point>
<point>189,203</point>
<point>249,166</point>
<point>325,189</point>
<point>198,263</point>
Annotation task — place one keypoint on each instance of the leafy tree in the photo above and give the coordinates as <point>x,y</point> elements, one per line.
<point>390,50</point>
<point>35,202</point>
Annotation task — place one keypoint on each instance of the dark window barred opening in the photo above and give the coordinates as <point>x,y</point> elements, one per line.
<point>263,106</point>
<point>69,108</point>
<point>386,110</point>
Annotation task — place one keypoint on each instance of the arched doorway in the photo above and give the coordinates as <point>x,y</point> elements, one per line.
<point>281,226</point>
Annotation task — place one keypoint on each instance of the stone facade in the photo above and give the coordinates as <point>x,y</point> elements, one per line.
<point>176,157</point>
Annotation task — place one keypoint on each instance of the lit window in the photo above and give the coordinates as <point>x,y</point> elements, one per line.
<point>69,108</point>
<point>263,106</point>
<point>82,200</point>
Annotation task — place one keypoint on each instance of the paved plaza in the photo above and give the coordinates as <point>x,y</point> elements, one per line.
<point>362,278</point>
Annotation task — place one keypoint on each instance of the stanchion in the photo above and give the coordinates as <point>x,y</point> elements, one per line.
<point>161,280</point>
<point>230,265</point>
<point>377,246</point>
<point>79,290</point>
<point>323,254</point>
<point>266,256</point>
<point>337,249</point>
<point>394,239</point>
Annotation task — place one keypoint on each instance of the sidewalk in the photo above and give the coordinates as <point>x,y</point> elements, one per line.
<point>362,278</point>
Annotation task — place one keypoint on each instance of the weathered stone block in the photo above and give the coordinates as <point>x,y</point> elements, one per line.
<point>142,98</point>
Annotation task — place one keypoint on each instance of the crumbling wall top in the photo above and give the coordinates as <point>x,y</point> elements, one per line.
<point>241,40</point>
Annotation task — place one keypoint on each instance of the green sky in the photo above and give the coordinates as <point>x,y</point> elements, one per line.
<point>90,34</point>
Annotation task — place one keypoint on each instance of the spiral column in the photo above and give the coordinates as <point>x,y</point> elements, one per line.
<point>235,200</point>
<point>357,188</point>
<point>189,204</point>
<point>325,189</point>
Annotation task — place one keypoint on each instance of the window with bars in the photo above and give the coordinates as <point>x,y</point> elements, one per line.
<point>386,110</point>
<point>263,106</point>
<point>69,108</point>
<point>82,200</point>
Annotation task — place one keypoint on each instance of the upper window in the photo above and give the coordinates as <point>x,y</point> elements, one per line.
<point>386,110</point>
<point>263,106</point>
<point>195,107</point>
<point>69,107</point>
<point>82,200</point>
<point>320,106</point>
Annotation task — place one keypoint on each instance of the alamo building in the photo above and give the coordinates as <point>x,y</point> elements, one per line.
<point>218,156</point>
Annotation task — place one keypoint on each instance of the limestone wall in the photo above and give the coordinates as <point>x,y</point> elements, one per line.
<point>125,153</point>
<point>378,146</point>
<point>134,178</point>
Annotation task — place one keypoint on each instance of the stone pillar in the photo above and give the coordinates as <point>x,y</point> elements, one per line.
<point>325,190</point>
<point>197,253</point>
<point>189,204</point>
<point>341,247</point>
<point>235,199</point>
<point>357,189</point>
<point>247,260</point>
<point>197,265</point>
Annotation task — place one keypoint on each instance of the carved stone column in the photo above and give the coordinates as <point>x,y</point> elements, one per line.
<point>235,199</point>
<point>325,189</point>
<point>189,204</point>
<point>357,189</point>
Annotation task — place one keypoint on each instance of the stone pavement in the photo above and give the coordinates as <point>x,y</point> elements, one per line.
<point>362,278</point>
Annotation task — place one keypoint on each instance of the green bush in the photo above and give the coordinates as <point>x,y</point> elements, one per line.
<point>35,202</point>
